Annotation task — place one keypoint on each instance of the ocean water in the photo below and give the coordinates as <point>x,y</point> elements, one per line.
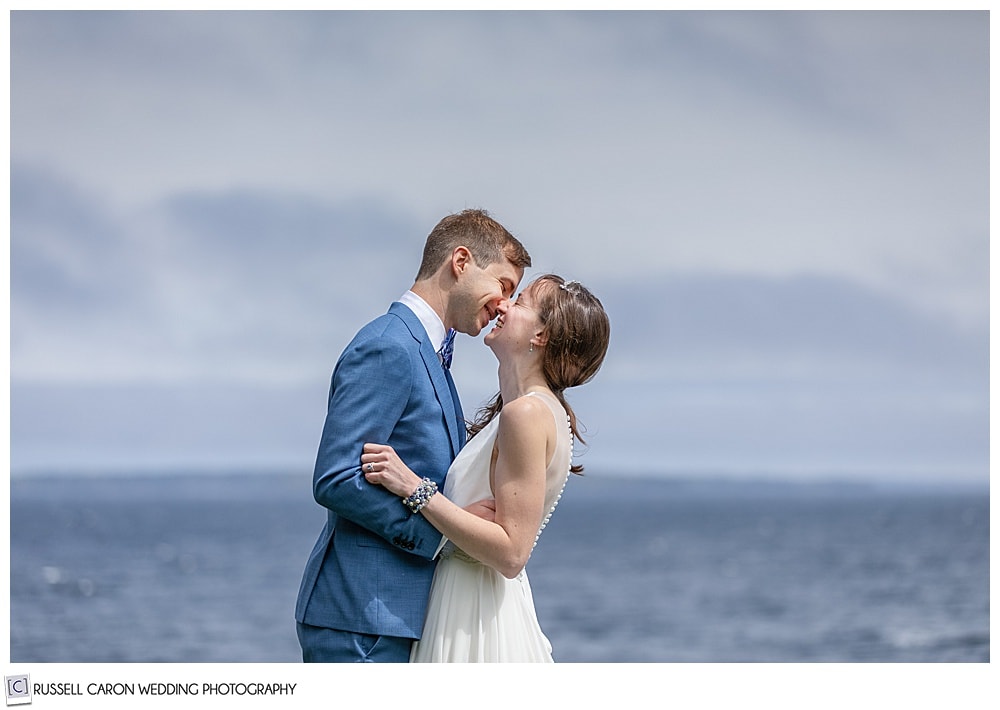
<point>205,568</point>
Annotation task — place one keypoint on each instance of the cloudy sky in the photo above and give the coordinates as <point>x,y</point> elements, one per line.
<point>786,215</point>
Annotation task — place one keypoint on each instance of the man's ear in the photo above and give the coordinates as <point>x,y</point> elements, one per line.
<point>461,258</point>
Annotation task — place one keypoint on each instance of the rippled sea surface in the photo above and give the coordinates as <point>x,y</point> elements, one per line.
<point>205,568</point>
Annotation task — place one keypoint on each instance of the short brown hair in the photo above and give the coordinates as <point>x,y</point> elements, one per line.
<point>486,239</point>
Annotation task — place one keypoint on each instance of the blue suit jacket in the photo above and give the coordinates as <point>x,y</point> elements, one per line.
<point>370,570</point>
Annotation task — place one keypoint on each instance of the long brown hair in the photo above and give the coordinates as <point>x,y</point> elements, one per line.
<point>578,333</point>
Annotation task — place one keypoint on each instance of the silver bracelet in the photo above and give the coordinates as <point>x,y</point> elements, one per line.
<point>419,498</point>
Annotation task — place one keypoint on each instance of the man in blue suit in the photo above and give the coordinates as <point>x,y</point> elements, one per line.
<point>364,590</point>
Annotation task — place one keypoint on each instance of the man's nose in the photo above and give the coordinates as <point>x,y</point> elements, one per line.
<point>500,307</point>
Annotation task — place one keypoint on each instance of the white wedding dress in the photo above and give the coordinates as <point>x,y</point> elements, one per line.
<point>475,614</point>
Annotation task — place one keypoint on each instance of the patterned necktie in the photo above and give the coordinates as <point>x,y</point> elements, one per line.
<point>447,348</point>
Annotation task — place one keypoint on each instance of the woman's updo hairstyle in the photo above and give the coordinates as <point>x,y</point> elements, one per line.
<point>577,333</point>
<point>577,328</point>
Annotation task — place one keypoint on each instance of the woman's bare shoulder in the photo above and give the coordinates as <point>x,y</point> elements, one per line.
<point>526,413</point>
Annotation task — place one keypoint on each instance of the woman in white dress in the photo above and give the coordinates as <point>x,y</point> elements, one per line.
<point>554,336</point>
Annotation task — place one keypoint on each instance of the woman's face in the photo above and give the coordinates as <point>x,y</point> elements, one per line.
<point>517,324</point>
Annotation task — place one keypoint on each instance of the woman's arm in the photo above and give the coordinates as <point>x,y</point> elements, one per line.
<point>525,429</point>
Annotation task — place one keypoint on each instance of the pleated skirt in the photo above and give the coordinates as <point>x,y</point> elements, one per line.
<point>476,615</point>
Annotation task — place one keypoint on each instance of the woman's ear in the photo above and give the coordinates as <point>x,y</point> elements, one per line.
<point>540,338</point>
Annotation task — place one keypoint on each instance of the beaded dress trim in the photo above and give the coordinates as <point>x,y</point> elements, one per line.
<point>562,488</point>
<point>451,550</point>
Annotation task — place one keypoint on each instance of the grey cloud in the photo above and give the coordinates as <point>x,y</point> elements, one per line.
<point>808,374</point>
<point>194,284</point>
<point>763,200</point>
<point>263,226</point>
<point>794,327</point>
<point>67,252</point>
<point>139,426</point>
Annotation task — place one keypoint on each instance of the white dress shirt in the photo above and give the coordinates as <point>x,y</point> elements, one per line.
<point>433,325</point>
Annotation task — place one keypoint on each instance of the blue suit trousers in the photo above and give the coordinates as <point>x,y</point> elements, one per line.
<point>321,645</point>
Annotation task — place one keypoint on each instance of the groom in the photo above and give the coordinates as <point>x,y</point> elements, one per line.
<point>364,590</point>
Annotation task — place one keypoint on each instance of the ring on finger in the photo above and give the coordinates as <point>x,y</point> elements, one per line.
<point>371,468</point>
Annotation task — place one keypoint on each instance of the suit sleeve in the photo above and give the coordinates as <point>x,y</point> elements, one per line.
<point>370,388</point>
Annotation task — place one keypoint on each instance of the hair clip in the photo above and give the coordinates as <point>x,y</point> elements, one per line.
<point>567,285</point>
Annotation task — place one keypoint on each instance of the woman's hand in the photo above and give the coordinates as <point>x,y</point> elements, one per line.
<point>383,467</point>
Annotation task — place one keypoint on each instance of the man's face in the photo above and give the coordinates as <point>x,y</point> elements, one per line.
<point>480,294</point>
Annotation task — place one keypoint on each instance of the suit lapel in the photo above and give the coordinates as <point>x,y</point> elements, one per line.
<point>441,380</point>
<point>446,394</point>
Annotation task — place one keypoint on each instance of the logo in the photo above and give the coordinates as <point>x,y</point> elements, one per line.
<point>18,689</point>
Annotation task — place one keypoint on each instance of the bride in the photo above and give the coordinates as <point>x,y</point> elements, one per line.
<point>554,336</point>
